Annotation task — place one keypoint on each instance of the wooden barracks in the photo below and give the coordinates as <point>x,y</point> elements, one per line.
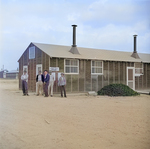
<point>86,69</point>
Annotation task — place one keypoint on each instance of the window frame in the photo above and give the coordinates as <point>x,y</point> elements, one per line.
<point>25,67</point>
<point>38,65</point>
<point>31,48</point>
<point>139,74</point>
<point>97,67</point>
<point>70,66</point>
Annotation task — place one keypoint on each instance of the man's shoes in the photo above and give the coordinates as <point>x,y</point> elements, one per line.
<point>66,96</point>
<point>23,94</point>
<point>51,95</point>
<point>27,94</point>
<point>45,96</point>
<point>37,94</point>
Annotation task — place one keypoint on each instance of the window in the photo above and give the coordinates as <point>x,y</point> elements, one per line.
<point>32,52</point>
<point>96,67</point>
<point>138,69</point>
<point>71,66</point>
<point>38,68</point>
<point>25,68</point>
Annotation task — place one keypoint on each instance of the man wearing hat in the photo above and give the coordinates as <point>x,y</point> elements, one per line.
<point>62,84</point>
<point>51,84</point>
<point>39,83</point>
<point>24,79</point>
<point>46,83</point>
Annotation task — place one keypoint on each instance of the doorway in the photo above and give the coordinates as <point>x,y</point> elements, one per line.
<point>131,77</point>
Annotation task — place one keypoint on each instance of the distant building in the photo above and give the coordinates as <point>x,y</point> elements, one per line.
<point>12,74</point>
<point>3,73</point>
<point>86,69</point>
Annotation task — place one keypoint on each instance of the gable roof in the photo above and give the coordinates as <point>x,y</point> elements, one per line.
<point>61,51</point>
<point>87,53</point>
<point>145,57</point>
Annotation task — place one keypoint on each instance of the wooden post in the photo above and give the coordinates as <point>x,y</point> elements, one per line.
<point>84,75</point>
<point>119,72</point>
<point>108,72</point>
<point>113,72</point>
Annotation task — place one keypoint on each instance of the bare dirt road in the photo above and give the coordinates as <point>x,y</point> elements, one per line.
<point>75,122</point>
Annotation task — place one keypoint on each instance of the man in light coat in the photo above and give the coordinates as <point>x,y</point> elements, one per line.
<point>39,83</point>
<point>24,79</point>
<point>51,84</point>
<point>62,84</point>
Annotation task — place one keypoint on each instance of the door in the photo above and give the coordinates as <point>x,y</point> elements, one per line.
<point>131,77</point>
<point>38,68</point>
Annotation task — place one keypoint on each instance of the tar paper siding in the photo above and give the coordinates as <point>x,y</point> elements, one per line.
<point>113,72</point>
<point>40,58</point>
<point>143,82</point>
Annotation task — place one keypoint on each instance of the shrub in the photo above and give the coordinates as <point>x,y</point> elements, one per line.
<point>117,90</point>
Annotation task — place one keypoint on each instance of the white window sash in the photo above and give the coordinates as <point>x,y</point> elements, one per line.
<point>97,67</point>
<point>71,66</point>
<point>32,52</point>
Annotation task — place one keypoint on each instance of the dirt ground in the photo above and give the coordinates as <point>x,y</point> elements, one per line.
<point>75,122</point>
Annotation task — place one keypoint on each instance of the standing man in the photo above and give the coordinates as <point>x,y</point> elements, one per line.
<point>46,83</point>
<point>51,84</point>
<point>62,84</point>
<point>39,83</point>
<point>24,79</point>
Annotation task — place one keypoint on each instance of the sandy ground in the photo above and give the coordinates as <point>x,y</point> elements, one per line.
<point>75,122</point>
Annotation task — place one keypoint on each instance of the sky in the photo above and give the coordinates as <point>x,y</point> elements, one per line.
<point>101,24</point>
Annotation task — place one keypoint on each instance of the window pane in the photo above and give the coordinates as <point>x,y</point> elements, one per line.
<point>67,69</point>
<point>93,63</point>
<point>93,70</point>
<point>74,63</point>
<point>32,52</point>
<point>74,70</point>
<point>98,70</point>
<point>99,64</point>
<point>67,62</point>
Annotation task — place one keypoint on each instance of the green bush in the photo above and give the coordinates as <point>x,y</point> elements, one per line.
<point>117,90</point>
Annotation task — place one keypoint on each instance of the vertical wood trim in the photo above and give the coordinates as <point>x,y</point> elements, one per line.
<point>34,71</point>
<point>45,60</point>
<point>113,72</point>
<point>56,62</point>
<point>49,62</point>
<point>78,82</point>
<point>108,72</point>
<point>84,75</point>
<point>71,82</point>
<point>91,82</point>
<point>146,74</point>
<point>30,84</point>
<point>102,82</point>
<point>42,61</point>
<point>124,73</point>
<point>119,72</point>
<point>138,82</point>
<point>23,62</point>
<point>142,81</point>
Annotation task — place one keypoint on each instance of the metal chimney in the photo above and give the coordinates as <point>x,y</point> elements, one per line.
<point>74,49</point>
<point>135,54</point>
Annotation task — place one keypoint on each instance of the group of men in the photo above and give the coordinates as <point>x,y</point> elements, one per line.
<point>44,83</point>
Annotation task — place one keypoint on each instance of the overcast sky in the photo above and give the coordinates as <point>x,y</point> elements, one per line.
<point>102,24</point>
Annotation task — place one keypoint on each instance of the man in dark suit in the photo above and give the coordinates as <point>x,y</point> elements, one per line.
<point>46,83</point>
